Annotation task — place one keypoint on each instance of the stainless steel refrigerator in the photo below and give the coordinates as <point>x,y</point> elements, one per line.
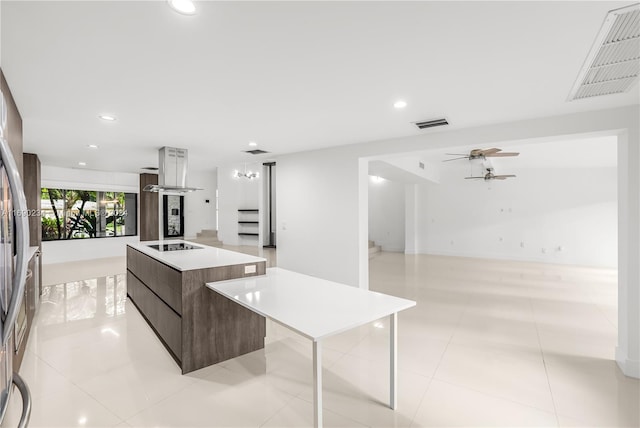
<point>14,246</point>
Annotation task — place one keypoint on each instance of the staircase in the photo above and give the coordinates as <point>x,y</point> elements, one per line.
<point>208,237</point>
<point>373,249</point>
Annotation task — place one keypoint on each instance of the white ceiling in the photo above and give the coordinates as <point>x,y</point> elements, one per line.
<point>600,152</point>
<point>292,76</point>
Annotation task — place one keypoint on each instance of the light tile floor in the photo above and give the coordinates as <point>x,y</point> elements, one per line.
<point>489,344</point>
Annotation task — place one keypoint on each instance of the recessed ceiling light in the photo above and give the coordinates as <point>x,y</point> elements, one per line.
<point>400,104</point>
<point>107,117</point>
<point>253,144</point>
<point>82,163</point>
<point>93,146</point>
<point>185,7</point>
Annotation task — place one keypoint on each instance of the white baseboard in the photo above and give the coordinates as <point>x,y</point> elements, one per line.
<point>499,256</point>
<point>629,367</point>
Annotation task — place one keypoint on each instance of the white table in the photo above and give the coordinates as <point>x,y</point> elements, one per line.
<point>317,308</point>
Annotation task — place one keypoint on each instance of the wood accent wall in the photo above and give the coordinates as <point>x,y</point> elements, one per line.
<point>32,191</point>
<point>14,124</point>
<point>149,225</point>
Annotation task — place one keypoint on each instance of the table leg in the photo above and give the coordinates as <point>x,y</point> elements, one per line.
<point>393,360</point>
<point>317,384</point>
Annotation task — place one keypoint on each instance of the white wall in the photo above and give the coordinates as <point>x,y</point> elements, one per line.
<point>198,213</point>
<point>566,216</point>
<point>317,205</point>
<point>234,194</point>
<point>387,214</point>
<point>85,249</point>
<point>71,178</point>
<point>326,190</point>
<point>628,349</point>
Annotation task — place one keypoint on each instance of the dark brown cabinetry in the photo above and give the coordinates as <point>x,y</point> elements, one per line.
<point>197,326</point>
<point>149,226</point>
<point>27,310</point>
<point>33,286</point>
<point>32,193</point>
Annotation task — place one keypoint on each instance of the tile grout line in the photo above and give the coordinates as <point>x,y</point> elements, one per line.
<point>121,420</point>
<point>601,310</point>
<point>498,397</point>
<point>440,362</point>
<point>544,362</point>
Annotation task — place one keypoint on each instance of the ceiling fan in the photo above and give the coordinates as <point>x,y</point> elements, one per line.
<point>491,176</point>
<point>482,154</point>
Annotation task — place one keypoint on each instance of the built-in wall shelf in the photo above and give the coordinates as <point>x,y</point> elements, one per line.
<point>248,222</point>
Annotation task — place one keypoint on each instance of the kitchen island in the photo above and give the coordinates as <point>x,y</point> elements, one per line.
<point>166,282</point>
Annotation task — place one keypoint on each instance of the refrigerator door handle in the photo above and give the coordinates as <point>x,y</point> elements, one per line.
<point>22,240</point>
<point>26,400</point>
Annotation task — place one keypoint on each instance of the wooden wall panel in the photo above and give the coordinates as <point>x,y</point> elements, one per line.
<point>32,190</point>
<point>148,209</point>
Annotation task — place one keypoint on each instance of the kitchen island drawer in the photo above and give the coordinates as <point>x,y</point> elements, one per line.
<point>164,320</point>
<point>163,280</point>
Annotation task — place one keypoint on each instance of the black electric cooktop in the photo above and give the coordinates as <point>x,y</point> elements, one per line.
<point>174,247</point>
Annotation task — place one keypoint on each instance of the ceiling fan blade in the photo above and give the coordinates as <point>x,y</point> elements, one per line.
<point>457,154</point>
<point>501,155</point>
<point>467,178</point>
<point>502,177</point>
<point>488,152</point>
<point>449,160</point>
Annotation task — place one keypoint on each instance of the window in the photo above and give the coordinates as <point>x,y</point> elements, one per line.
<point>80,214</point>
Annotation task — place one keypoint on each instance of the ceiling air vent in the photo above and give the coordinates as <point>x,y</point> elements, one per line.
<point>613,63</point>
<point>256,152</point>
<point>431,123</point>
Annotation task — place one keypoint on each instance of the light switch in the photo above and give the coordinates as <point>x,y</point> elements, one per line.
<point>250,269</point>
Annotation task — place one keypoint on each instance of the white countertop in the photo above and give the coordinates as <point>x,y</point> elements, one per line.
<point>203,258</point>
<point>313,307</point>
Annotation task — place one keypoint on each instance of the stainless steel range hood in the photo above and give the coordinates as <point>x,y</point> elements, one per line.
<point>172,172</point>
